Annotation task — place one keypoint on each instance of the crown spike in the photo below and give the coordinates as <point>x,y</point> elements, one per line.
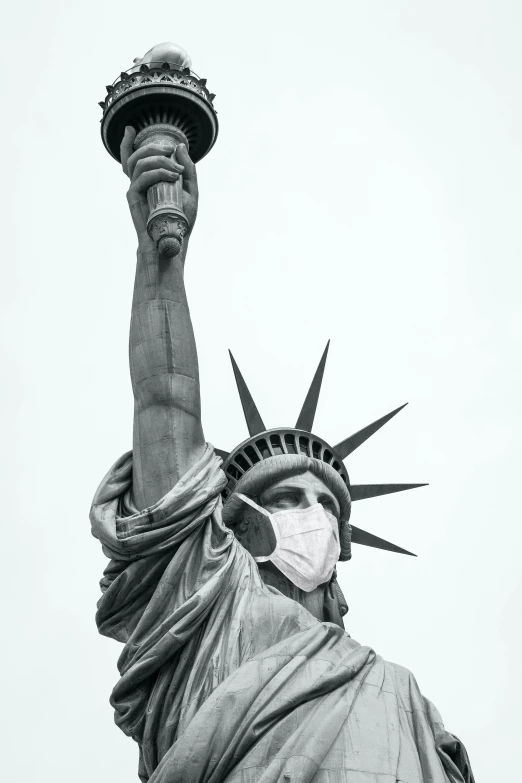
<point>365,491</point>
<point>347,446</point>
<point>307,415</point>
<point>368,539</point>
<point>253,419</point>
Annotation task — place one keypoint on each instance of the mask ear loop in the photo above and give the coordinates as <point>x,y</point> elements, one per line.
<point>250,502</point>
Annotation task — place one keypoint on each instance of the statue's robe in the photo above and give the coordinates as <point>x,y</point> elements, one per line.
<point>224,679</point>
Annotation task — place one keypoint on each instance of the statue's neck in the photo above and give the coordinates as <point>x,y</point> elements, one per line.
<point>313,601</point>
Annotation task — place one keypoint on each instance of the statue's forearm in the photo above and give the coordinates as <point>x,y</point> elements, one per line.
<point>168,436</point>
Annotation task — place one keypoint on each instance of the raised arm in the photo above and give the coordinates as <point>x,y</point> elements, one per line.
<point>168,435</point>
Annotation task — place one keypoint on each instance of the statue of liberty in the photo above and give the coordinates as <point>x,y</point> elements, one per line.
<point>221,585</point>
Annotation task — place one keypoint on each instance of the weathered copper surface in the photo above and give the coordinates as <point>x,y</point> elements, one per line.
<point>230,672</point>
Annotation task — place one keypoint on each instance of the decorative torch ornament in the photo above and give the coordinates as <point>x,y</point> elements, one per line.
<point>166,103</point>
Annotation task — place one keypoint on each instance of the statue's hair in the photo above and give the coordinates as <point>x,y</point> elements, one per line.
<point>275,469</point>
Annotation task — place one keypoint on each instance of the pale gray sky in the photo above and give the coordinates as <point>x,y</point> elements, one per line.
<point>365,187</point>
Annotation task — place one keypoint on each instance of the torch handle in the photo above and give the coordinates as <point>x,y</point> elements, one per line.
<point>167,224</point>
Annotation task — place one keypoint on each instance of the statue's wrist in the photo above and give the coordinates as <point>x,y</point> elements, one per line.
<point>145,244</point>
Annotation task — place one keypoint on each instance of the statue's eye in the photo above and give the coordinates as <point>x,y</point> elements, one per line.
<point>286,500</point>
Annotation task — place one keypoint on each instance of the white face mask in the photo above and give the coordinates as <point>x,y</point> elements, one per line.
<point>307,544</point>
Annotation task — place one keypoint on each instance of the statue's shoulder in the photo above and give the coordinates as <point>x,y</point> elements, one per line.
<point>403,677</point>
<point>423,719</point>
<point>402,682</point>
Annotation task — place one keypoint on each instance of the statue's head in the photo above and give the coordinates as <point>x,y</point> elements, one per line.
<point>291,513</point>
<point>284,483</point>
<point>284,478</point>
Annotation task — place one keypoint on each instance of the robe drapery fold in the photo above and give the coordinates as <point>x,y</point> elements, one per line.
<point>224,679</point>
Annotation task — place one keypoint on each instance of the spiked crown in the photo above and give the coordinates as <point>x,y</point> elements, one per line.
<point>265,443</point>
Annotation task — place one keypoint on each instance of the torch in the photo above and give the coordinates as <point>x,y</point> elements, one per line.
<point>166,103</point>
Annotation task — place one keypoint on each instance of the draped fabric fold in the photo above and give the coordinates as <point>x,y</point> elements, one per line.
<point>224,679</point>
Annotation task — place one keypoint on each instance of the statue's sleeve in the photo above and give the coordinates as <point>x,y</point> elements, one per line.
<point>141,544</point>
<point>450,749</point>
<point>426,747</point>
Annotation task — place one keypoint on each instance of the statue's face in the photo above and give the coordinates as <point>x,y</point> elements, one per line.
<point>255,531</point>
<point>256,534</point>
<point>300,491</point>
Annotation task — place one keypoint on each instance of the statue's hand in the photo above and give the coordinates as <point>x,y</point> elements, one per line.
<point>152,164</point>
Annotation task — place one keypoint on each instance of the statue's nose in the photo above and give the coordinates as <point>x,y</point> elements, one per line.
<point>310,499</point>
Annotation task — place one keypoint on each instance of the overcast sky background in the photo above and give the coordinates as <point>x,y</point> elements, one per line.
<point>365,187</point>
